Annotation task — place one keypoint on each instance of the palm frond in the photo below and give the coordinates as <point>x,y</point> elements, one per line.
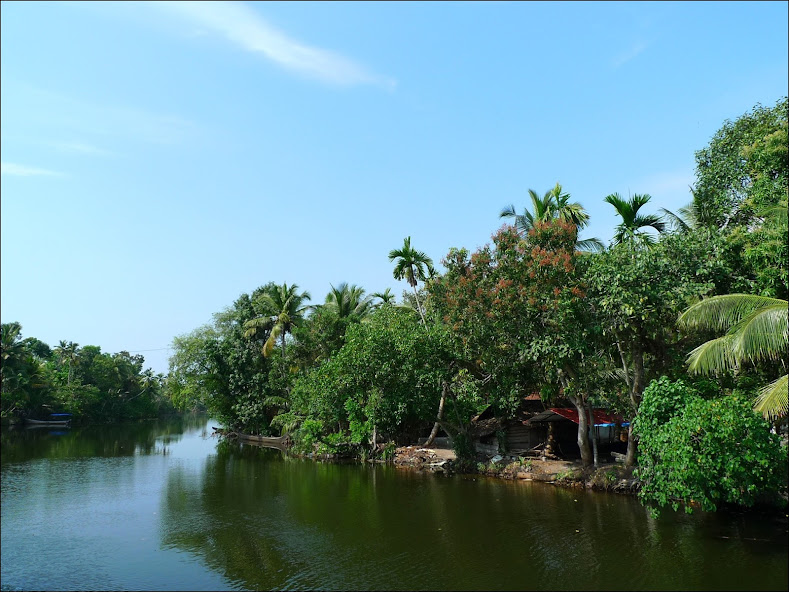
<point>772,401</point>
<point>621,205</point>
<point>675,221</point>
<point>762,335</point>
<point>713,356</point>
<point>508,212</point>
<point>590,245</point>
<point>653,220</point>
<point>719,313</point>
<point>253,327</point>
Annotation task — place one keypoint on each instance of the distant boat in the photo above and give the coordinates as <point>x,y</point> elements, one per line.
<point>274,442</point>
<point>55,420</point>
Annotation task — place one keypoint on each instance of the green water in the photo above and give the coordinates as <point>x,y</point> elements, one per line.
<point>163,506</point>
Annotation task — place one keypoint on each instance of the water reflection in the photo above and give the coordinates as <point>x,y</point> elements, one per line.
<point>21,444</point>
<point>166,506</point>
<point>269,521</point>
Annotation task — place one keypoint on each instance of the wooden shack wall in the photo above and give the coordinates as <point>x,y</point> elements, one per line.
<point>525,437</point>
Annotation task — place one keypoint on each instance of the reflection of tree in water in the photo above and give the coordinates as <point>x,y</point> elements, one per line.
<point>265,520</point>
<point>223,514</point>
<point>103,441</point>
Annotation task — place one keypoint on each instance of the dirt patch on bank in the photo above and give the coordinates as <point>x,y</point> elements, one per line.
<point>569,473</point>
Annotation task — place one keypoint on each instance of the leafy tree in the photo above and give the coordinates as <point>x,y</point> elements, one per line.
<point>631,229</point>
<point>757,331</point>
<point>413,266</point>
<point>744,168</point>
<point>218,367</point>
<point>518,314</point>
<point>759,252</point>
<point>386,380</point>
<point>705,452</point>
<point>637,294</point>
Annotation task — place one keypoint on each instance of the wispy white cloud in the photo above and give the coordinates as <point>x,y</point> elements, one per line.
<point>19,170</point>
<point>630,54</point>
<point>247,29</point>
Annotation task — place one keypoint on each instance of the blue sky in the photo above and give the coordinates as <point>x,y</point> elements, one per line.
<point>160,159</point>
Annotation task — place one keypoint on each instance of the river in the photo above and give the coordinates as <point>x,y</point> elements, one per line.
<point>166,506</point>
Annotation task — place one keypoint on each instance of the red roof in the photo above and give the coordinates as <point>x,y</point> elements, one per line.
<point>601,417</point>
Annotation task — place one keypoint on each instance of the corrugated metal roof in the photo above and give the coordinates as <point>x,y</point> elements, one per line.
<point>601,417</point>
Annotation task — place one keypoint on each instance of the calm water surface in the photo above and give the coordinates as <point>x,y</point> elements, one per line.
<point>163,506</point>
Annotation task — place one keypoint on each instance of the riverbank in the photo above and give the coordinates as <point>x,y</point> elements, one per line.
<point>613,477</point>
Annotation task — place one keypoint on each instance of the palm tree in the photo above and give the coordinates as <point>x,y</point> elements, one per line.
<point>12,353</point>
<point>67,351</point>
<point>757,330</point>
<point>348,300</point>
<point>543,209</point>
<point>386,296</point>
<point>554,204</point>
<point>280,308</point>
<point>633,223</point>
<point>413,266</point>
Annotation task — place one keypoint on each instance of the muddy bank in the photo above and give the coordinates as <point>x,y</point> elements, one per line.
<point>606,477</point>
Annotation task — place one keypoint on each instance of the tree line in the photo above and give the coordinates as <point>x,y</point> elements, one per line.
<point>679,324</point>
<point>93,386</point>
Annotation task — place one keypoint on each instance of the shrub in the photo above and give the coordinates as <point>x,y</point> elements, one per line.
<point>704,451</point>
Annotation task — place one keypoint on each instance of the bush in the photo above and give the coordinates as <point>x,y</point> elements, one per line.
<point>706,452</point>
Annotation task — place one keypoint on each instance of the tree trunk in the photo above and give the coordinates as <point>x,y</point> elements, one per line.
<point>439,417</point>
<point>594,433</point>
<point>550,443</point>
<point>418,305</point>
<point>583,432</point>
<point>636,392</point>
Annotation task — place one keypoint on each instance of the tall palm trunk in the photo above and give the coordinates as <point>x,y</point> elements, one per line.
<point>418,304</point>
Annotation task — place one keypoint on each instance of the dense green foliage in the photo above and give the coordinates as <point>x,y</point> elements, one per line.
<point>536,311</point>
<point>744,168</point>
<point>93,386</point>
<point>386,378</point>
<point>699,451</point>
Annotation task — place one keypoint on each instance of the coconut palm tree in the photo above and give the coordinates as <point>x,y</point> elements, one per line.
<point>413,266</point>
<point>67,351</point>
<point>633,223</point>
<point>280,308</point>
<point>757,330</point>
<point>348,300</point>
<point>12,353</point>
